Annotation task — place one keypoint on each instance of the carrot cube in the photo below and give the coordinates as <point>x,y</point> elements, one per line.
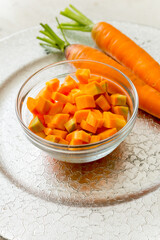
<point>48,131</point>
<point>91,120</point>
<point>43,105</point>
<point>103,103</point>
<point>82,135</point>
<point>107,133</point>
<point>68,85</point>
<point>59,133</point>
<point>31,104</point>
<point>95,138</point>
<point>59,120</point>
<point>121,110</point>
<point>85,101</point>
<point>69,108</point>
<point>93,89</point>
<point>53,85</point>
<point>95,79</point>
<point>83,75</point>
<point>118,99</point>
<point>36,125</point>
<point>84,125</point>
<point>112,120</point>
<point>53,138</point>
<point>59,97</point>
<point>70,125</point>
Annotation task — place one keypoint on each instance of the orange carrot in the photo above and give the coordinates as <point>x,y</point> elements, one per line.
<point>149,98</point>
<point>118,45</point>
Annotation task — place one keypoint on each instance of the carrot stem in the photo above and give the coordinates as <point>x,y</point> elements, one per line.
<point>81,22</point>
<point>51,39</point>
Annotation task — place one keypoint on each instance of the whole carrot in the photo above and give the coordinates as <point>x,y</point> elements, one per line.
<point>149,98</point>
<point>118,45</point>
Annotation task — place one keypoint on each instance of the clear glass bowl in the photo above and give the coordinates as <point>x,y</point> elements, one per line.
<point>79,153</point>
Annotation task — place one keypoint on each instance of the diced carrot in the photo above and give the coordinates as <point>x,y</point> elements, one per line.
<point>82,135</point>
<point>68,85</point>
<point>70,125</point>
<point>93,89</point>
<point>121,110</point>
<point>83,75</point>
<point>104,85</point>
<point>112,120</point>
<point>69,108</point>
<point>59,120</point>
<point>59,133</point>
<point>95,79</point>
<point>48,131</point>
<point>62,141</point>
<point>107,133</point>
<point>103,103</point>
<point>76,142</point>
<point>59,97</point>
<point>95,138</point>
<point>118,99</point>
<point>53,85</point>
<point>81,115</point>
<point>84,125</point>
<point>36,125</point>
<point>43,105</point>
<point>91,120</point>
<point>56,108</point>
<point>70,136</point>
<point>45,93</point>
<point>53,138</point>
<point>41,134</point>
<point>86,101</point>
<point>31,105</point>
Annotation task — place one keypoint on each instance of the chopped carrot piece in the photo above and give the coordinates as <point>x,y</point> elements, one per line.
<point>112,120</point>
<point>69,108</point>
<point>83,75</point>
<point>103,103</point>
<point>48,131</point>
<point>43,105</point>
<point>60,97</point>
<point>53,138</point>
<point>84,125</point>
<point>36,125</point>
<point>76,142</point>
<point>41,134</point>
<point>107,133</point>
<point>93,88</point>
<point>45,93</point>
<point>81,115</point>
<point>91,120</point>
<point>121,110</point>
<point>82,135</point>
<point>59,133</point>
<point>68,85</point>
<point>70,125</point>
<point>118,99</point>
<point>59,120</point>
<point>31,104</point>
<point>86,101</point>
<point>56,108</point>
<point>95,138</point>
<point>53,84</point>
<point>62,141</point>
<point>104,85</point>
<point>95,79</point>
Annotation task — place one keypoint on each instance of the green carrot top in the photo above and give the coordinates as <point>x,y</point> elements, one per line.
<point>80,21</point>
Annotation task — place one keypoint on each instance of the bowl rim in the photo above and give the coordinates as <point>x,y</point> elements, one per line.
<point>55,146</point>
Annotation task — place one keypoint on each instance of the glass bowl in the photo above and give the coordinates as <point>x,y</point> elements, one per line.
<point>79,153</point>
